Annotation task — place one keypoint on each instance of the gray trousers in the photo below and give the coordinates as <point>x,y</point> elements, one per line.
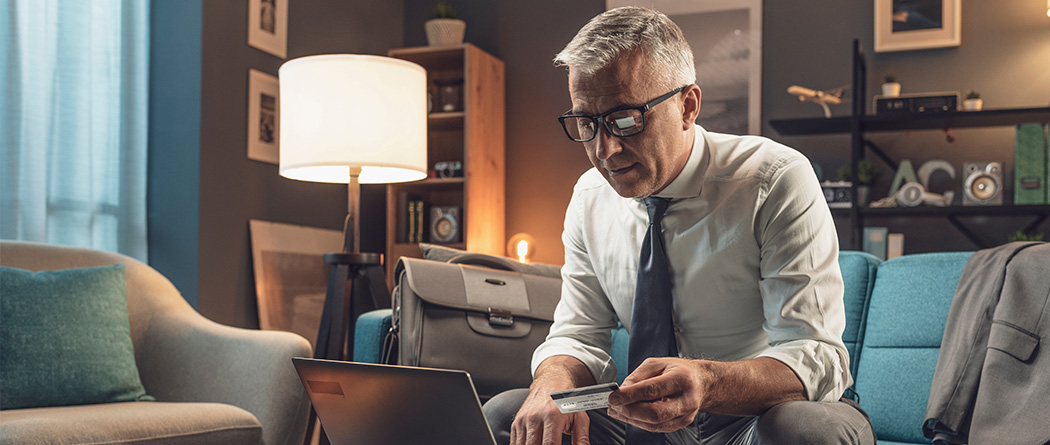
<point>841,422</point>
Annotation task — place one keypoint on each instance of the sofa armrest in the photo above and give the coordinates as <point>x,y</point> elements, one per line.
<point>369,333</point>
<point>188,358</point>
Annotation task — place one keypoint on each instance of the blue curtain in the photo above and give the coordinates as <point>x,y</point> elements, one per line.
<point>73,122</point>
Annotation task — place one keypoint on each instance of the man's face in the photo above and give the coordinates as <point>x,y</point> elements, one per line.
<point>643,164</point>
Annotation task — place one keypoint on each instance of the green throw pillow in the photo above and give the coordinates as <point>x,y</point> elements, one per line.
<point>65,338</point>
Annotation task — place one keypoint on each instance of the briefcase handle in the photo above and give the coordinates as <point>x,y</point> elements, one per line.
<point>478,259</point>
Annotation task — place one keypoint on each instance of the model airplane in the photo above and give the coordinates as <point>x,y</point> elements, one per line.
<point>822,98</point>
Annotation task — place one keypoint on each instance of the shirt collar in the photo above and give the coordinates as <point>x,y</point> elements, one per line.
<point>690,180</point>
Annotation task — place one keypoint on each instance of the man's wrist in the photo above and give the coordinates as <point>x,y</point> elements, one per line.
<point>562,372</point>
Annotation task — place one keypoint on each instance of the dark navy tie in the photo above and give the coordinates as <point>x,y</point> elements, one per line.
<point>652,328</point>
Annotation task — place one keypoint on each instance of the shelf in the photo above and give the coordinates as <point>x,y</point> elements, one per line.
<point>811,126</point>
<point>446,120</point>
<point>917,121</point>
<point>445,58</point>
<point>932,211</point>
<point>430,183</point>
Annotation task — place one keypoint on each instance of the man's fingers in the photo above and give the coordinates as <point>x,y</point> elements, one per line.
<point>580,429</point>
<point>653,422</point>
<point>650,389</point>
<point>547,428</point>
<point>648,369</point>
<point>552,433</point>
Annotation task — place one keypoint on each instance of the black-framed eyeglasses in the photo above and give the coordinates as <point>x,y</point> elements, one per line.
<point>621,122</point>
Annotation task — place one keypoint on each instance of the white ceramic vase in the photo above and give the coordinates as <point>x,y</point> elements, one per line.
<point>973,104</point>
<point>891,89</point>
<point>445,32</point>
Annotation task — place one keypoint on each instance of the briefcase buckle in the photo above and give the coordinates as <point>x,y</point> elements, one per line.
<point>501,318</point>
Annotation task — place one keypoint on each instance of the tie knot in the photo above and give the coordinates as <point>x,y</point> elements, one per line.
<point>656,207</point>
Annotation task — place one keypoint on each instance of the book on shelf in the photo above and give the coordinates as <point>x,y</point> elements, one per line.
<point>416,218</point>
<point>1031,165</point>
<point>894,245</point>
<point>875,241</point>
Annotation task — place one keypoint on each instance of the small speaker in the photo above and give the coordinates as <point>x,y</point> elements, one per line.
<point>444,224</point>
<point>982,184</point>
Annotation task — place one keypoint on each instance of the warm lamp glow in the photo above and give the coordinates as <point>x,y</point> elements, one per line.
<point>521,246</point>
<point>523,250</point>
<point>343,112</point>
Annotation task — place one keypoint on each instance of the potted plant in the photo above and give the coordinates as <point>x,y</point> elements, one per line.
<point>443,28</point>
<point>867,175</point>
<point>890,88</point>
<point>1020,235</point>
<point>973,101</point>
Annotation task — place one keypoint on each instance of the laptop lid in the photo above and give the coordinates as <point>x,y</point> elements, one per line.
<point>366,404</point>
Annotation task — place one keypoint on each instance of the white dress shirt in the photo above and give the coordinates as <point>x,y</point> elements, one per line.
<point>754,264</point>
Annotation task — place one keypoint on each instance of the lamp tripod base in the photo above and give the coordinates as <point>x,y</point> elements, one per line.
<point>356,284</point>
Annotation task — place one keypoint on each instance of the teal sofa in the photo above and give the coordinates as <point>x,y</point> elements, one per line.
<point>895,316</point>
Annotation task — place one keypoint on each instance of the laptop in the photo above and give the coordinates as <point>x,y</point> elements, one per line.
<point>368,404</point>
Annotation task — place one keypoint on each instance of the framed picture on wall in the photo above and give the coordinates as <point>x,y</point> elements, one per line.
<point>263,117</point>
<point>291,277</point>
<point>726,38</point>
<point>903,25</point>
<point>268,26</point>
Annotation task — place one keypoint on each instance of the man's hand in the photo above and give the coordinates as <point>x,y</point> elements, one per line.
<point>540,422</point>
<point>661,395</point>
<point>665,394</point>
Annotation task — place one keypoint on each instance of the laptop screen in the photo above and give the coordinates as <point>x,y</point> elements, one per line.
<point>360,403</point>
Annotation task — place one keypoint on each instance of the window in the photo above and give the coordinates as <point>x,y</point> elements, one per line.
<point>73,122</point>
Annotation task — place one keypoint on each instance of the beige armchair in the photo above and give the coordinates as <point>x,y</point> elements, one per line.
<point>212,383</point>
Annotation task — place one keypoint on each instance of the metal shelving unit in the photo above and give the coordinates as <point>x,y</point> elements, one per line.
<point>859,123</point>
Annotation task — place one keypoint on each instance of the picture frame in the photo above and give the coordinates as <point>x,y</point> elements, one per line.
<point>726,38</point>
<point>905,25</point>
<point>268,26</point>
<point>291,277</point>
<point>264,120</point>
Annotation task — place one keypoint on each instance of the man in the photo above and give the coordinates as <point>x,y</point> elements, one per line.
<point>752,318</point>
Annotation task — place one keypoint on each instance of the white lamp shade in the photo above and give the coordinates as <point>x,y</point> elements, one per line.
<point>343,111</point>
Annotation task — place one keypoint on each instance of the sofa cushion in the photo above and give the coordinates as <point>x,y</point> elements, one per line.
<point>858,276</point>
<point>135,422</point>
<point>66,339</point>
<point>906,318</point>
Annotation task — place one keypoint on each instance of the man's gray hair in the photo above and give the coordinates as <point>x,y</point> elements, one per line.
<point>624,30</point>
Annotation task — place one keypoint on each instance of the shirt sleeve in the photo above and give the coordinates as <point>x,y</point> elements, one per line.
<point>801,281</point>
<point>584,318</point>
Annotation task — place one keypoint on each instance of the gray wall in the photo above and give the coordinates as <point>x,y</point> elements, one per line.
<point>203,188</point>
<point>235,189</point>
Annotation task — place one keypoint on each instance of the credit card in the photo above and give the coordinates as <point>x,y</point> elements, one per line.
<point>585,398</point>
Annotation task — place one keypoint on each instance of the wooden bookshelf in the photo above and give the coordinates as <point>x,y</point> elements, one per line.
<point>473,135</point>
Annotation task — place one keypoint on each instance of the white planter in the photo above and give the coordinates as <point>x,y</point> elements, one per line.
<point>973,104</point>
<point>445,32</point>
<point>891,89</point>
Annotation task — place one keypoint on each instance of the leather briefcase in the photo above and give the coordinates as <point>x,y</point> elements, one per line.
<point>484,319</point>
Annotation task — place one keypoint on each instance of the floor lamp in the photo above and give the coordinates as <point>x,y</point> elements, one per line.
<point>353,119</point>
